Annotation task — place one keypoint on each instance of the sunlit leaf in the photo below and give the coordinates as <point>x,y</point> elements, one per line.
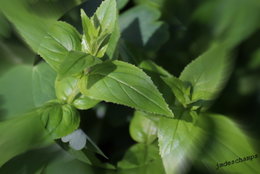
<point>180,140</point>
<point>229,148</point>
<point>208,74</point>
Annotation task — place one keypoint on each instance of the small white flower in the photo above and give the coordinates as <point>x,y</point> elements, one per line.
<point>77,139</point>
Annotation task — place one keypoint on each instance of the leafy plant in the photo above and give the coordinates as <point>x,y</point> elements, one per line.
<point>107,61</point>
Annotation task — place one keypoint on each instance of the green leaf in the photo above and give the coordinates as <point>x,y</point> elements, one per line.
<point>16,91</point>
<point>180,141</point>
<point>228,146</point>
<point>67,89</point>
<point>142,129</point>
<point>37,17</point>
<point>21,134</point>
<point>61,39</point>
<point>59,119</point>
<point>141,158</point>
<point>208,73</point>
<point>122,83</point>
<point>107,15</point>
<point>180,89</point>
<point>112,47</point>
<point>76,62</point>
<point>43,84</point>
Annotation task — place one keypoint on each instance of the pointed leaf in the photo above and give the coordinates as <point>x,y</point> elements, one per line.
<point>125,84</point>
<point>208,73</point>
<point>107,15</point>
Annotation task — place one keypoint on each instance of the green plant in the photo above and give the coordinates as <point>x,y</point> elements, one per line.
<point>171,124</point>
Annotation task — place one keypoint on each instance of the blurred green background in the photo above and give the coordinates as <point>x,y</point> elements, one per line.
<point>170,32</point>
